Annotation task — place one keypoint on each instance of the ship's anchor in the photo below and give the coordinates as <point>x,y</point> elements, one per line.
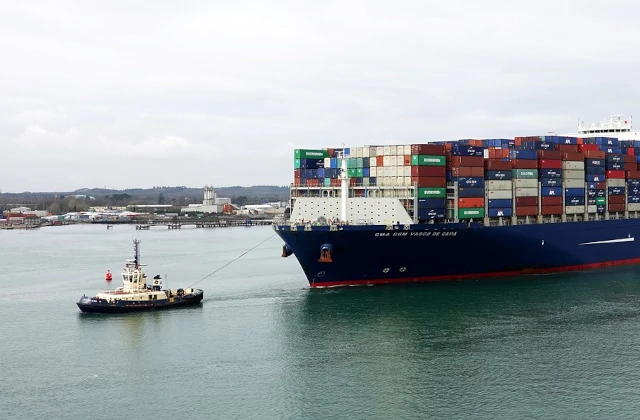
<point>325,253</point>
<point>286,251</point>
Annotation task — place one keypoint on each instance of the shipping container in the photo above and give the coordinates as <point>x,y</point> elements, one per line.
<point>551,191</point>
<point>526,201</point>
<point>616,199</point>
<point>427,149</point>
<point>550,173</point>
<point>432,171</point>
<point>548,210</point>
<point>616,208</point>
<point>499,185</point>
<point>498,175</point>
<point>432,192</point>
<point>549,154</point>
<point>471,202</point>
<point>551,201</point>
<point>476,182</point>
<point>574,192</point>
<point>524,164</point>
<point>500,212</point>
<point>527,210</point>
<point>500,194</point>
<point>470,213</point>
<point>550,182</point>
<point>574,209</point>
<point>550,164</point>
<point>498,165</point>
<point>524,173</point>
<point>470,192</point>
<point>467,161</point>
<point>573,174</point>
<point>574,201</point>
<point>573,165</point>
<point>500,203</point>
<point>310,154</point>
<point>526,192</point>
<point>428,160</point>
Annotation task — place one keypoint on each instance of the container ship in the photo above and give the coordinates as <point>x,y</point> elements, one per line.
<point>466,209</point>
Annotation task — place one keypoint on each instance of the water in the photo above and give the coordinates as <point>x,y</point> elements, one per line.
<point>265,346</point>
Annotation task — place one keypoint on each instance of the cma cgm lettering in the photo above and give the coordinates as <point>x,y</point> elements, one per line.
<point>576,215</point>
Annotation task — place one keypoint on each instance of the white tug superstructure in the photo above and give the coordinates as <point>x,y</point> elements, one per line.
<point>135,294</point>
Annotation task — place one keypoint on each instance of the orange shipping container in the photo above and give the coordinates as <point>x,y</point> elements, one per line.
<point>470,203</point>
<point>379,160</point>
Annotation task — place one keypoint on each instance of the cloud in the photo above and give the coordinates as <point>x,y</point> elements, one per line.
<point>219,92</point>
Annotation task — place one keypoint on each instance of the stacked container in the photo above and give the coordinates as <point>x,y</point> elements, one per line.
<point>499,187</point>
<point>309,166</point>
<point>427,163</point>
<point>550,178</point>
<point>524,164</point>
<point>467,168</point>
<point>573,179</point>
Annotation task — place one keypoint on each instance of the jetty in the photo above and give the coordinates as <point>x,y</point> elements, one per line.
<point>198,223</point>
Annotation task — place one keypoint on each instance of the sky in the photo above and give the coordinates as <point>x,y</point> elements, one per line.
<point>126,94</point>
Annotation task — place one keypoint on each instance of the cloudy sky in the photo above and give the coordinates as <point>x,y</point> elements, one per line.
<point>135,93</point>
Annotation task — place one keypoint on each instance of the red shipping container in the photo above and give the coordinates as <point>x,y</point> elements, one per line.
<point>570,148</point>
<point>407,160</point>
<point>614,174</point>
<point>428,171</point>
<point>617,208</point>
<point>629,158</point>
<point>492,153</point>
<point>335,182</point>
<point>550,154</point>
<point>630,166</point>
<point>461,171</point>
<point>353,182</point>
<point>470,203</point>
<point>633,175</point>
<point>549,164</point>
<point>601,185</point>
<point>616,199</point>
<point>477,171</point>
<point>631,151</point>
<point>524,164</point>
<point>526,210</point>
<point>497,165</point>
<point>467,161</point>
<point>379,160</point>
<point>296,173</point>
<point>573,156</point>
<point>526,201</point>
<point>428,181</point>
<point>297,181</point>
<point>427,149</point>
<point>551,201</point>
<point>314,182</point>
<point>587,147</point>
<point>594,154</point>
<point>549,210</point>
<point>505,153</point>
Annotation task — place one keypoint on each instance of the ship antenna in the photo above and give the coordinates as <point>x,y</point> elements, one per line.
<point>344,187</point>
<point>136,252</point>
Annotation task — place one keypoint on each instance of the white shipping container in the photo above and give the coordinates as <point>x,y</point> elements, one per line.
<point>373,171</point>
<point>392,171</point>
<point>572,174</point>
<point>407,171</point>
<point>387,150</point>
<point>393,160</point>
<point>633,206</point>
<point>615,182</point>
<point>373,162</point>
<point>327,162</point>
<point>525,183</point>
<point>380,151</point>
<point>372,151</point>
<point>366,151</point>
<point>573,165</point>
<point>400,181</point>
<point>592,209</point>
<point>357,152</point>
<point>574,209</point>
<point>574,183</point>
<point>499,185</point>
<point>390,181</point>
<point>485,153</point>
<point>526,192</point>
<point>500,194</point>
<point>386,160</point>
<point>407,181</point>
<point>393,150</point>
<point>380,181</point>
<point>407,149</point>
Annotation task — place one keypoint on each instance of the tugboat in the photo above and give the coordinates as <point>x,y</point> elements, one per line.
<point>135,295</point>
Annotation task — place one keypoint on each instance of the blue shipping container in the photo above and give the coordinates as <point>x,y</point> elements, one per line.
<point>550,173</point>
<point>615,166</point>
<point>498,175</point>
<point>470,182</point>
<point>594,162</point>
<point>574,201</point>
<point>470,192</point>
<point>550,182</point>
<point>614,158</point>
<point>430,214</point>
<point>597,170</point>
<point>500,211</point>
<point>574,192</point>
<point>500,202</point>
<point>633,191</point>
<point>523,154</point>
<point>633,182</point>
<point>432,203</point>
<point>551,191</point>
<point>595,178</point>
<point>633,199</point>
<point>615,190</point>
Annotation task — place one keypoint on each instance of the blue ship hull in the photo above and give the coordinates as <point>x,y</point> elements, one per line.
<point>375,254</point>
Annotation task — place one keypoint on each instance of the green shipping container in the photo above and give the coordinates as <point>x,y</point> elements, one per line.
<point>296,164</point>
<point>428,160</point>
<point>469,213</point>
<point>601,201</point>
<point>352,172</point>
<point>310,154</point>
<point>327,182</point>
<point>432,192</point>
<point>525,173</point>
<point>359,172</point>
<point>352,163</point>
<point>359,163</point>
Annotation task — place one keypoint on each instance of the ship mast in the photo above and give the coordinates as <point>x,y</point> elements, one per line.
<point>344,188</point>
<point>136,252</point>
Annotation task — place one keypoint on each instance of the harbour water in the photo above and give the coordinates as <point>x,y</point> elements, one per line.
<point>265,346</point>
